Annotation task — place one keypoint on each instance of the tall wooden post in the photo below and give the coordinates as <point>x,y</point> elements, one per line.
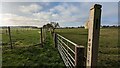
<point>55,39</point>
<point>93,36</point>
<point>10,37</point>
<point>41,38</point>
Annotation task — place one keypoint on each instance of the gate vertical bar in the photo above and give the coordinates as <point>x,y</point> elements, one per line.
<point>93,36</point>
<point>10,37</point>
<point>79,56</point>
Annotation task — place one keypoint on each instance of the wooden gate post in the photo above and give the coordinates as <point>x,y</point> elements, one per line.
<point>79,56</point>
<point>41,38</point>
<point>93,36</point>
<point>55,39</point>
<point>10,37</point>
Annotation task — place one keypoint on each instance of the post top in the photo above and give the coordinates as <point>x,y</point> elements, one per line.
<point>96,6</point>
<point>80,46</point>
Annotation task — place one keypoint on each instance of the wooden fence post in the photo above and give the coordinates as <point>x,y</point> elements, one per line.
<point>6,31</point>
<point>55,39</point>
<point>93,36</point>
<point>10,37</point>
<point>79,56</point>
<point>44,34</point>
<point>41,38</point>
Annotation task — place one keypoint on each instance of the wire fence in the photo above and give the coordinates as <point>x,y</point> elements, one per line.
<point>16,36</point>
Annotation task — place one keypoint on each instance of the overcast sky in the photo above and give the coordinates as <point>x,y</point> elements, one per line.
<point>65,13</point>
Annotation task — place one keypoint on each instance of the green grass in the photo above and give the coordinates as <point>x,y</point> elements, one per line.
<point>27,53</point>
<point>22,36</point>
<point>108,43</point>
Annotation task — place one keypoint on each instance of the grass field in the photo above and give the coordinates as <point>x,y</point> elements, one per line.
<point>108,43</point>
<point>27,50</point>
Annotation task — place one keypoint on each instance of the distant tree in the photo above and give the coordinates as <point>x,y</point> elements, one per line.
<point>55,25</point>
<point>105,26</point>
<point>119,26</point>
<point>44,26</point>
<point>51,25</point>
<point>114,26</point>
<point>72,27</point>
<point>48,26</point>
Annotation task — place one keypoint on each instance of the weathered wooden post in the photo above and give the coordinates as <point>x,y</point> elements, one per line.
<point>6,31</point>
<point>79,56</point>
<point>41,38</point>
<point>93,36</point>
<point>55,39</point>
<point>44,34</point>
<point>10,37</point>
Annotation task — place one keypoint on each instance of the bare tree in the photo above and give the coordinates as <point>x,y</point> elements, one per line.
<point>55,25</point>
